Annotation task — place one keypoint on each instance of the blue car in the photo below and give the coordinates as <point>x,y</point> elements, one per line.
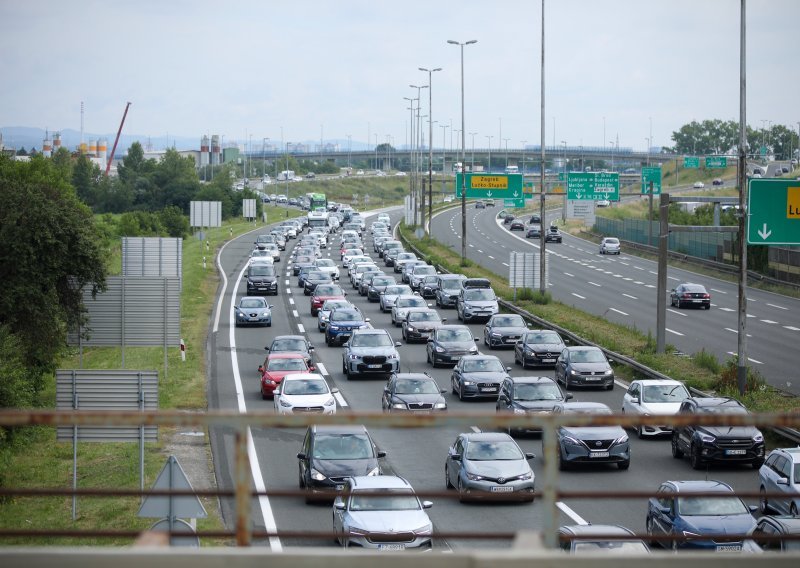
<point>700,522</point>
<point>253,310</point>
<point>341,324</point>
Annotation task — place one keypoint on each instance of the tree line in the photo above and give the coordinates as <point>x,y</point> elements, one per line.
<point>722,137</point>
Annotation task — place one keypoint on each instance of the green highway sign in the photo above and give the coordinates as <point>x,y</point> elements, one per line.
<point>691,162</point>
<point>716,161</point>
<point>593,185</point>
<point>490,186</point>
<point>519,202</point>
<point>560,176</point>
<point>773,207</point>
<point>651,174</point>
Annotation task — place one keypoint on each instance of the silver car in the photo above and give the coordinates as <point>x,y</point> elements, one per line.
<point>324,313</point>
<point>417,273</point>
<point>609,245</point>
<point>404,303</point>
<point>591,444</point>
<point>370,352</point>
<point>381,512</point>
<point>780,474</point>
<point>390,294</point>
<point>489,465</point>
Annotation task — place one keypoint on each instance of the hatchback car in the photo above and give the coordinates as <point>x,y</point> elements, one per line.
<point>412,392</point>
<point>480,205</point>
<point>428,286</point>
<point>418,273</point>
<point>648,397</point>
<point>780,474</point>
<point>508,218</point>
<point>291,344</point>
<point>328,265</point>
<point>302,261</point>
<point>478,376</point>
<point>341,324</point>
<point>448,286</point>
<point>530,396</point>
<point>366,281</point>
<point>390,295</point>
<point>419,323</point>
<point>534,232</point>
<point>253,310</point>
<point>774,534</point>
<point>370,352</point>
<point>695,521</point>
<point>404,303</point>
<point>717,181</point>
<point>609,245</point>
<point>314,278</point>
<point>324,313</point>
<point>331,454</point>
<point>722,444</point>
<point>304,393</point>
<point>489,465</point>
<point>698,185</point>
<point>401,259</point>
<point>585,366</point>
<point>538,347</point>
<point>504,330</point>
<point>449,343</point>
<point>588,539</point>
<point>278,365</point>
<point>694,295</point>
<point>553,235</point>
<point>591,444</point>
<point>517,225</point>
<point>381,512</point>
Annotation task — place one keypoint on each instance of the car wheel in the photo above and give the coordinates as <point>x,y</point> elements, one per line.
<point>649,528</point>
<point>708,307</point>
<point>677,453</point>
<point>610,386</point>
<point>461,392</point>
<point>793,510</point>
<point>694,458</point>
<point>447,483</point>
<point>763,503</point>
<point>624,465</point>
<point>405,337</point>
<point>269,324</point>
<point>461,495</point>
<point>563,465</point>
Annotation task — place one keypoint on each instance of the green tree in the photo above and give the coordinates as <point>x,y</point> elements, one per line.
<point>62,162</point>
<point>84,174</point>
<point>174,222</point>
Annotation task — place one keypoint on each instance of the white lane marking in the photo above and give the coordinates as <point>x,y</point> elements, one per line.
<point>490,256</point>
<point>736,332</point>
<point>649,286</point>
<point>301,328</point>
<point>475,429</point>
<point>629,296</point>
<point>769,321</point>
<point>638,268</point>
<point>675,332</point>
<point>571,514</point>
<point>624,263</point>
<point>618,311</point>
<point>578,296</point>
<point>717,291</point>
<point>652,272</point>
<point>791,328</point>
<point>594,284</point>
<point>505,264</point>
<point>291,301</point>
<point>639,283</point>
<point>726,309</point>
<point>777,306</point>
<point>340,399</point>
<point>671,278</point>
<point>676,312</point>
<point>480,251</point>
<point>286,282</point>
<point>570,275</point>
<point>749,359</point>
<point>295,314</point>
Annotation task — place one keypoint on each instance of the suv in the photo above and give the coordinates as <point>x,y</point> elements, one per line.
<point>609,245</point>
<point>370,352</point>
<point>731,444</point>
<point>447,288</point>
<point>529,395</point>
<point>476,300</point>
<point>780,474</point>
<point>261,279</point>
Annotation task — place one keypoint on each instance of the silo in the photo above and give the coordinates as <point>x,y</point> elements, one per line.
<point>204,152</point>
<point>215,149</point>
<point>102,149</point>
<point>92,147</point>
<point>56,141</point>
<point>47,146</point>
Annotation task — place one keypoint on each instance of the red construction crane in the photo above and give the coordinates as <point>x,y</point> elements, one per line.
<point>116,140</point>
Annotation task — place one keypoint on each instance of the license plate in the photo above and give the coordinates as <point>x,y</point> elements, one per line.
<point>392,547</point>
<point>548,360</point>
<point>344,335</point>
<point>374,366</point>
<point>591,378</point>
<point>697,301</point>
<point>735,452</point>
<point>729,548</point>
<point>501,489</point>
<point>488,389</point>
<point>598,454</point>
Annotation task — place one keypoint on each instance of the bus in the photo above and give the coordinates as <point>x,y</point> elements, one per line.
<point>318,219</point>
<point>317,200</point>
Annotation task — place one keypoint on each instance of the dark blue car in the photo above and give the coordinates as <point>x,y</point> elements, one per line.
<point>341,324</point>
<point>699,521</point>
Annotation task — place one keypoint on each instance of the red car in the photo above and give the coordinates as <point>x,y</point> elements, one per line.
<point>278,365</point>
<point>325,292</point>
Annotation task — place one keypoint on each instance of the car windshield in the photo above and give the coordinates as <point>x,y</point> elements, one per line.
<point>371,340</point>
<point>453,335</point>
<point>262,270</point>
<point>342,447</point>
<point>397,290</point>
<point>346,315</point>
<point>664,393</point>
<point>329,291</point>
<point>488,451</point>
<point>537,392</point>
<point>508,321</point>
<point>253,303</point>
<point>479,294</point>
<point>587,410</point>
<point>423,316</point>
<point>303,260</point>
<point>424,270</point>
<point>450,284</point>
<point>430,279</point>
<point>700,506</point>
<point>588,356</point>
<point>382,281</point>
<point>544,337</point>
<point>363,501</point>
<point>415,302</point>
<point>318,275</point>
<point>289,344</point>
<point>333,304</point>
<point>483,366</point>
<point>612,241</point>
<point>294,364</point>
<point>406,256</point>
<point>695,288</point>
<point>416,386</point>
<point>325,262</point>
<point>613,546</point>
<point>304,387</point>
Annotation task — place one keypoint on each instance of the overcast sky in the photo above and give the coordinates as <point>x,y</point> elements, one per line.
<point>320,68</point>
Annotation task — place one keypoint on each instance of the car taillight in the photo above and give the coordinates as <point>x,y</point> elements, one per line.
<point>687,295</point>
<point>706,296</point>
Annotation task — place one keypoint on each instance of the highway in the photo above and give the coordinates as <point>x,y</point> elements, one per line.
<point>235,353</point>
<point>622,289</point>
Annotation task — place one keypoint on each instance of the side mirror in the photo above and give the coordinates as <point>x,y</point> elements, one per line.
<point>381,454</point>
<point>427,504</point>
<point>456,457</point>
<point>398,344</point>
<point>266,348</point>
<point>366,319</point>
<point>312,368</point>
<point>301,456</point>
<point>311,348</point>
<point>529,455</point>
<point>475,339</point>
<point>665,510</point>
<point>508,369</point>
<point>339,505</point>
<point>261,368</point>
<point>753,508</point>
<point>635,400</point>
<point>334,390</point>
<point>782,481</point>
<point>569,396</point>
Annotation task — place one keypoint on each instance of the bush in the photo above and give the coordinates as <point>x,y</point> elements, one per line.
<point>174,222</point>
<point>728,378</point>
<point>707,360</point>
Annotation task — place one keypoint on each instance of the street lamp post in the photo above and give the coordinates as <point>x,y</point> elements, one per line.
<point>411,153</point>
<point>506,141</point>
<point>522,170</point>
<point>415,151</point>
<point>430,73</point>
<point>463,176</point>
<point>489,164</point>
<point>444,128</point>
<point>472,166</point>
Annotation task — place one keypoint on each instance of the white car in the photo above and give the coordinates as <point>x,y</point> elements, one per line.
<point>649,397</point>
<point>699,185</point>
<point>609,245</point>
<point>327,265</point>
<point>305,393</point>
<point>384,218</point>
<point>602,203</point>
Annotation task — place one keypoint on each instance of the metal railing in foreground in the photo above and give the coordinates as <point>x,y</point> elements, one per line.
<point>548,491</point>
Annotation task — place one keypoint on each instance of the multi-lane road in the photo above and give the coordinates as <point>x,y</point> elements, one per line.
<point>235,353</point>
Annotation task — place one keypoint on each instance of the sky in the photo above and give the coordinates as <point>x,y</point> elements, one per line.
<point>305,70</point>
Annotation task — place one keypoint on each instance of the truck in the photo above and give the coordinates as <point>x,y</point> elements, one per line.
<point>286,175</point>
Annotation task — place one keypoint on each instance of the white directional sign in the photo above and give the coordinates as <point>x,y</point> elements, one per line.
<point>523,269</point>
<point>172,477</point>
<point>581,209</point>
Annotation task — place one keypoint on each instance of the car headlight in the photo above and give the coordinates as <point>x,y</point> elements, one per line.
<point>526,476</point>
<point>424,530</point>
<point>353,357</point>
<point>392,356</point>
<point>374,471</point>
<point>473,349</point>
<point>330,402</point>
<point>574,372</point>
<point>608,372</point>
<point>519,411</point>
<point>571,441</point>
<point>707,438</point>
<point>688,533</point>
<point>468,383</point>
<point>621,440</point>
<point>399,405</point>
<point>758,437</point>
<point>439,349</point>
<point>472,476</point>
<point>284,403</point>
<point>411,328</point>
<point>317,476</point>
<point>496,334</point>
<point>333,327</point>
<point>240,314</point>
<point>440,405</point>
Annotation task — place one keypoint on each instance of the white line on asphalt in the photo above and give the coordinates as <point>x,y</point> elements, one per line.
<point>638,268</point>
<point>649,285</point>
<point>295,314</point>
<point>301,328</point>
<point>769,321</point>
<point>629,296</point>
<point>490,256</point>
<point>791,328</point>
<point>776,306</point>
<point>594,284</point>
<point>570,275</point>
<point>624,263</point>
<point>675,332</point>
<point>676,312</point>
<point>571,514</point>
<point>717,291</point>
<point>291,301</point>
<point>505,264</point>
<point>480,251</point>
<point>731,330</point>
<point>639,283</point>
<point>578,296</point>
<point>286,282</point>
<point>618,311</point>
<point>672,278</point>
<point>726,309</point>
<point>749,359</point>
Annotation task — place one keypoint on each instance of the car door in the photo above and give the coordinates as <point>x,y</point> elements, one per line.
<point>505,397</point>
<point>456,378</point>
<point>386,401</point>
<point>662,521</point>
<point>340,510</point>
<point>454,466</point>
<point>561,365</point>
<point>634,394</point>
<point>685,433</point>
<point>307,450</point>
<point>782,470</point>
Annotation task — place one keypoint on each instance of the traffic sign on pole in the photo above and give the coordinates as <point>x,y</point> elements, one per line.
<point>716,161</point>
<point>593,185</point>
<point>773,212</point>
<point>691,162</point>
<point>651,174</point>
<point>495,186</point>
<point>514,202</point>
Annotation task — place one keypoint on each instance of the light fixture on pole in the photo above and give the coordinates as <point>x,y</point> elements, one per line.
<point>506,141</point>
<point>430,73</point>
<point>463,175</point>
<point>411,155</point>
<point>444,128</point>
<point>489,164</point>
<point>522,169</point>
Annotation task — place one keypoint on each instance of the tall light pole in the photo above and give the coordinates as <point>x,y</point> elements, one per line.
<point>648,149</point>
<point>444,128</point>
<point>506,141</point>
<point>489,164</point>
<point>522,171</point>
<point>472,166</point>
<point>416,169</point>
<point>463,175</point>
<point>553,543</point>
<point>411,153</point>
<point>430,73</point>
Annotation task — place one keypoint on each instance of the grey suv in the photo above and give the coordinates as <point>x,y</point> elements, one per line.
<point>370,352</point>
<point>476,302</point>
<point>447,288</point>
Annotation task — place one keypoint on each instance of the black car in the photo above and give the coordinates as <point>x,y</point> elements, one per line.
<point>378,284</point>
<point>504,330</point>
<point>478,376</point>
<point>302,261</point>
<point>419,323</point>
<point>535,219</point>
<point>584,365</point>
<point>529,395</point>
<point>429,285</point>
<point>313,279</point>
<point>449,343</point>
<point>508,219</point>
<point>517,225</point>
<point>725,444</point>
<point>412,392</point>
<point>538,347</point>
<point>688,294</point>
<point>534,232</point>
<point>553,235</point>
<point>261,279</point>
<point>331,454</point>
<point>480,205</point>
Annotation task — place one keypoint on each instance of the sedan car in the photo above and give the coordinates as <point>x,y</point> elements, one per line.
<point>331,454</point>
<point>530,396</point>
<point>390,295</point>
<point>429,285</point>
<point>609,245</point>
<point>480,205</point>
<point>506,217</point>
<point>325,292</point>
<point>302,261</point>
<point>412,392</point>
<point>449,343</point>
<point>314,278</point>
<point>378,285</point>
<point>418,273</point>
<point>381,512</point>
<point>698,185</point>
<point>538,347</point>
<point>591,444</point>
<point>419,324</point>
<point>588,539</point>
<point>478,376</point>
<point>534,232</point>
<point>253,310</point>
<point>717,181</point>
<point>341,324</point>
<point>489,465</point>
<point>698,522</point>
<point>278,365</point>
<point>647,397</point>
<point>504,330</point>
<point>401,259</point>
<point>553,235</point>
<point>580,365</point>
<point>517,225</point>
<point>688,294</point>
<point>404,303</point>
<point>370,352</point>
<point>304,393</point>
<point>780,474</point>
<point>291,344</point>
<point>328,265</point>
